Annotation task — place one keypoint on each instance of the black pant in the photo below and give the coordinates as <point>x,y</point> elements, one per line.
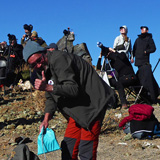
<point>148,81</point>
<point>120,88</point>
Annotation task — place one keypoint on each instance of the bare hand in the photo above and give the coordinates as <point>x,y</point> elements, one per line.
<point>40,84</point>
<point>132,60</point>
<point>111,50</point>
<point>43,124</point>
<point>24,36</point>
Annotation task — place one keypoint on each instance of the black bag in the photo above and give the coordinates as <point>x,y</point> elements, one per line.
<point>120,47</point>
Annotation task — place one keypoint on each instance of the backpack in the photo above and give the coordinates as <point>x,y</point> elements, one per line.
<point>22,152</point>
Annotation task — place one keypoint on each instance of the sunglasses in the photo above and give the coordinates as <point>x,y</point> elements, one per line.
<point>39,60</point>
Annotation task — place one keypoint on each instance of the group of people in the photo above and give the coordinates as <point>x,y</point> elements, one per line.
<point>13,54</point>
<point>120,59</point>
<point>73,86</point>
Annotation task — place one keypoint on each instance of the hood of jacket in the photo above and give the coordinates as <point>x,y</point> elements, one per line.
<point>144,35</point>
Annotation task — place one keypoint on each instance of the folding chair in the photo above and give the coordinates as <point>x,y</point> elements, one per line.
<point>136,92</point>
<point>3,72</point>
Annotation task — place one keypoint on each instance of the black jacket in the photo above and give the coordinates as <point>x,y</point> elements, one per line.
<point>78,92</point>
<point>121,64</point>
<point>14,56</point>
<point>143,43</point>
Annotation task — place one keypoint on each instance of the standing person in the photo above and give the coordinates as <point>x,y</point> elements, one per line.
<point>14,58</point>
<point>143,47</point>
<point>78,92</point>
<point>122,43</point>
<point>27,35</point>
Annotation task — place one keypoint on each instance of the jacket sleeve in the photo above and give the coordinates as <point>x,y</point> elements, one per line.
<point>67,85</point>
<point>115,42</point>
<point>134,48</point>
<point>50,104</point>
<point>152,47</point>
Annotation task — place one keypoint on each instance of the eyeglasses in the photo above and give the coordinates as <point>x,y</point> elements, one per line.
<point>39,60</point>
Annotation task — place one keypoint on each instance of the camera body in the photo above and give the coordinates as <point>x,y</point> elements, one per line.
<point>66,33</point>
<point>28,27</point>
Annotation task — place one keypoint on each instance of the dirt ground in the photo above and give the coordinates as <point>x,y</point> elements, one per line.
<point>21,115</point>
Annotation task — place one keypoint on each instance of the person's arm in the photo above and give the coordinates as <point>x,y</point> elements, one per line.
<point>131,51</point>
<point>45,122</point>
<point>50,108</point>
<point>23,39</point>
<point>40,84</point>
<point>151,48</point>
<point>67,81</point>
<point>115,44</point>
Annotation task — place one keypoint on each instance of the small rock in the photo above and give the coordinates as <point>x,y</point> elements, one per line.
<point>12,126</point>
<point>20,127</point>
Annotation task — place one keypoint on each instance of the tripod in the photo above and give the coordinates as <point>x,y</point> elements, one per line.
<point>107,61</point>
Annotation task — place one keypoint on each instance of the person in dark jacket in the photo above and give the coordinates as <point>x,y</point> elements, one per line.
<point>124,75</point>
<point>143,47</point>
<point>14,57</point>
<point>72,85</point>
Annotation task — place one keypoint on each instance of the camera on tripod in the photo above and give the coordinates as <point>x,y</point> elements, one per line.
<point>66,32</point>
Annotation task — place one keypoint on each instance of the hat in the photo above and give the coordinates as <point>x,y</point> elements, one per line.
<point>145,27</point>
<point>11,37</point>
<point>125,27</point>
<point>52,45</point>
<point>35,34</point>
<point>30,48</point>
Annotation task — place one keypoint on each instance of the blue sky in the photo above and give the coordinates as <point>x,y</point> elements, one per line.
<point>91,21</point>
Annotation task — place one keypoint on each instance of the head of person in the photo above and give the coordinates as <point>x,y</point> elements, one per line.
<point>144,29</point>
<point>51,47</point>
<point>34,35</point>
<point>12,39</point>
<point>35,55</point>
<point>123,30</point>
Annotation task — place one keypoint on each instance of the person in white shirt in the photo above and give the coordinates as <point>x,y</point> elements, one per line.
<point>122,43</point>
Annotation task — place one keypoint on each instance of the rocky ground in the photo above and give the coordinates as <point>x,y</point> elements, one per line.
<point>21,113</point>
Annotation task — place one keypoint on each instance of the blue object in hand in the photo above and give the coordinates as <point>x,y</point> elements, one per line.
<point>47,141</point>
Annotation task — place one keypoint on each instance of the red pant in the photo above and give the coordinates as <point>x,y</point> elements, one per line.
<point>78,139</point>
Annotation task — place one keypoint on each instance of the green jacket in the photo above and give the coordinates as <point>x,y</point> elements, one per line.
<point>78,92</point>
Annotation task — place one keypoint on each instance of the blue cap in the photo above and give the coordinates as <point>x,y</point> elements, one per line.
<point>52,45</point>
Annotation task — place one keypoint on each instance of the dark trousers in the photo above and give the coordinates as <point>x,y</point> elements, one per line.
<point>148,81</point>
<point>119,87</point>
<point>79,140</point>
